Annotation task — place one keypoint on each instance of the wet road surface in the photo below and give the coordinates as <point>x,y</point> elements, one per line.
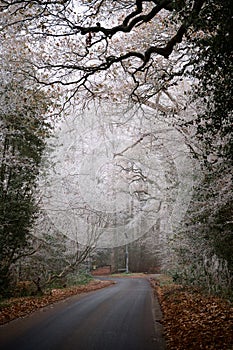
<point>119,317</point>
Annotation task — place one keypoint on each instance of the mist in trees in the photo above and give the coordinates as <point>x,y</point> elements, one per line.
<point>167,62</point>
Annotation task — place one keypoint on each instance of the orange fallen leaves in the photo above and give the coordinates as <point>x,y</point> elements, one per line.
<point>20,307</point>
<point>194,321</point>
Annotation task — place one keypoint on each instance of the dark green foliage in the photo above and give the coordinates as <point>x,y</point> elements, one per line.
<point>23,132</point>
<point>81,277</point>
<point>204,244</point>
<point>222,233</point>
<point>213,67</point>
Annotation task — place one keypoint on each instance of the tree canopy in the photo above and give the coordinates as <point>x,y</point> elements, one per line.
<point>96,36</point>
<point>141,47</point>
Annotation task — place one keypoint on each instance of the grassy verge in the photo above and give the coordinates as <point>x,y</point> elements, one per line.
<point>129,274</point>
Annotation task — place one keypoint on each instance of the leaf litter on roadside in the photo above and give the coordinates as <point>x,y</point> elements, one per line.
<point>20,307</point>
<point>193,320</point>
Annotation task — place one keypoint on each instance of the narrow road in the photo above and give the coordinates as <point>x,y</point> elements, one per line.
<point>119,317</point>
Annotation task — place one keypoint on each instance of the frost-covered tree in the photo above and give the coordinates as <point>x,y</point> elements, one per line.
<point>150,42</point>
<point>56,259</point>
<point>100,31</point>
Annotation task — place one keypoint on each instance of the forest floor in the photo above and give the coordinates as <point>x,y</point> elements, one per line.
<point>192,320</point>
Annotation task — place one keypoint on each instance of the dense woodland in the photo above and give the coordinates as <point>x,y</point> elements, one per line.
<point>145,83</point>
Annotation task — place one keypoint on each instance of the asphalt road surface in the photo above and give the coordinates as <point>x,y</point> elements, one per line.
<point>120,317</point>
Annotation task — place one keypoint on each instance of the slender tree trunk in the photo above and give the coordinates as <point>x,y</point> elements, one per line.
<point>126,259</point>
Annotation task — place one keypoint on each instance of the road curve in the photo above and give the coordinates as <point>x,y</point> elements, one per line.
<point>119,317</point>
